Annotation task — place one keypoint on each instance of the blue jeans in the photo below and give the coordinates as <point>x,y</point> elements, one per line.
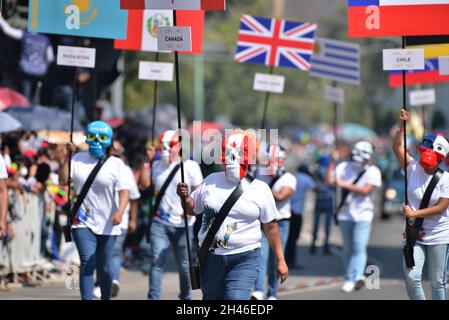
<point>268,261</point>
<point>324,208</point>
<point>117,254</point>
<point>95,251</point>
<point>436,257</point>
<point>229,277</point>
<point>355,242</point>
<point>161,237</point>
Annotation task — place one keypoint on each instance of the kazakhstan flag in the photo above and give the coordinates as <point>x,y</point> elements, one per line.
<point>84,18</point>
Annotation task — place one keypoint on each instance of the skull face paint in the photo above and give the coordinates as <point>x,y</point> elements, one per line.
<point>238,152</point>
<point>169,146</point>
<point>99,138</point>
<point>433,149</point>
<point>274,161</point>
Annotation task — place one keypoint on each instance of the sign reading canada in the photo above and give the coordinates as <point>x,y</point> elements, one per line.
<point>174,39</point>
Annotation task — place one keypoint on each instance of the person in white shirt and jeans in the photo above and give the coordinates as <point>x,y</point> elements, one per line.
<point>356,214</point>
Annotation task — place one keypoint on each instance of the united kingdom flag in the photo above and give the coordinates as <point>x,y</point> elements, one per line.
<point>274,42</point>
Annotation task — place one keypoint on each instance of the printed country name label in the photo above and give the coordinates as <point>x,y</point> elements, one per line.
<point>174,39</point>
<point>268,83</point>
<point>155,71</point>
<point>403,59</point>
<point>76,57</point>
<point>443,63</point>
<point>336,95</point>
<point>422,97</point>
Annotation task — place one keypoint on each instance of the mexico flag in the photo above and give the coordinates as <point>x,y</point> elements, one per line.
<point>143,24</point>
<point>207,5</point>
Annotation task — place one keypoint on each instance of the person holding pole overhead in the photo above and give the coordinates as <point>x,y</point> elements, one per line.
<point>234,207</point>
<point>96,214</point>
<point>358,179</point>
<point>168,226</point>
<point>427,237</point>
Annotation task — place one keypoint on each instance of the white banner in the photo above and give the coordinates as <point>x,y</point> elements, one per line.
<point>422,97</point>
<point>156,71</point>
<point>174,39</point>
<point>336,95</point>
<point>269,83</point>
<point>76,57</point>
<point>403,59</point>
<point>443,65</point>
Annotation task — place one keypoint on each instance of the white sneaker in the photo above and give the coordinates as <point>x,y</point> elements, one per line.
<point>348,286</point>
<point>97,292</point>
<point>272,298</point>
<point>257,295</point>
<point>115,288</point>
<point>360,282</point>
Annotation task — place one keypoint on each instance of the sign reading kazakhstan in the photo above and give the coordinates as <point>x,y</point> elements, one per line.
<point>85,18</point>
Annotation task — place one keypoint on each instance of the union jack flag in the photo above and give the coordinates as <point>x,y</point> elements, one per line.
<point>274,42</point>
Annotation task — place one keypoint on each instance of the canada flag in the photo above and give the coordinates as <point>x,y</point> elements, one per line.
<point>143,24</point>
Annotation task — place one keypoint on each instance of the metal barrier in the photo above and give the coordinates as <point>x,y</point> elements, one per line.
<point>22,253</point>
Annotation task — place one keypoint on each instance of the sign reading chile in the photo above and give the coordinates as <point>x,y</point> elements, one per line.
<point>380,18</point>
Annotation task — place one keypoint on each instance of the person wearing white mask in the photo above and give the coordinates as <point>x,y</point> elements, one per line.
<point>358,179</point>
<point>283,186</point>
<point>168,227</point>
<point>232,262</point>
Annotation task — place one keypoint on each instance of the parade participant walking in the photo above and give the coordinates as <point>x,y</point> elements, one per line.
<point>129,220</point>
<point>304,183</point>
<point>168,227</point>
<point>3,197</point>
<point>232,260</point>
<point>358,179</point>
<point>283,186</point>
<point>97,221</point>
<point>432,221</point>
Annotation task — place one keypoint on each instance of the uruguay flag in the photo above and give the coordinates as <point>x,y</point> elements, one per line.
<point>84,18</point>
<point>379,18</point>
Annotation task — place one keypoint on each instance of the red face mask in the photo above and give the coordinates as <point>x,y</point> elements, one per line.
<point>429,158</point>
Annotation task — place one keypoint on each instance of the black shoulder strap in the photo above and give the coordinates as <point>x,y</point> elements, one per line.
<point>274,180</point>
<point>220,217</point>
<point>345,194</point>
<point>412,233</point>
<point>82,195</point>
<point>157,201</point>
<point>426,198</point>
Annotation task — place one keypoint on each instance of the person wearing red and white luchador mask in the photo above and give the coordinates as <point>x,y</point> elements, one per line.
<point>232,264</point>
<point>168,227</point>
<point>432,237</point>
<point>282,185</point>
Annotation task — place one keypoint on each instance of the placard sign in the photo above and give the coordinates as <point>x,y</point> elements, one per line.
<point>403,59</point>
<point>443,64</point>
<point>174,39</point>
<point>422,97</point>
<point>156,71</point>
<point>76,57</point>
<point>269,83</point>
<point>336,95</point>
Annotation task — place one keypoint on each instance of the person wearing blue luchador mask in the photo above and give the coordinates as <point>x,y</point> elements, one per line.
<point>97,223</point>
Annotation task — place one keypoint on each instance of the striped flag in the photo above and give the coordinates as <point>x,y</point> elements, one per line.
<point>208,5</point>
<point>380,18</point>
<point>336,60</point>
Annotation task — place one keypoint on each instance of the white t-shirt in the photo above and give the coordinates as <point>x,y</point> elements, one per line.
<point>436,228</point>
<point>241,230</point>
<point>286,180</point>
<point>170,209</point>
<point>134,194</point>
<point>3,171</point>
<point>99,205</point>
<point>358,207</point>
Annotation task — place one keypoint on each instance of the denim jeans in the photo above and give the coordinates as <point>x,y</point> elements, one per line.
<point>327,209</point>
<point>95,251</point>
<point>117,255</point>
<point>355,242</point>
<point>268,261</point>
<point>436,258</point>
<point>161,237</point>
<point>229,277</point>
<point>293,236</point>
